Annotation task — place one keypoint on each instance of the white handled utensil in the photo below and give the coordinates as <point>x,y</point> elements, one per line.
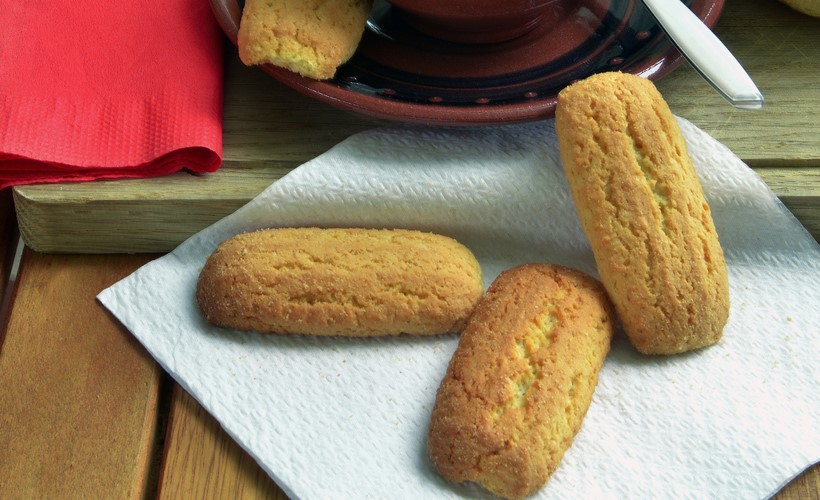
<point>706,53</point>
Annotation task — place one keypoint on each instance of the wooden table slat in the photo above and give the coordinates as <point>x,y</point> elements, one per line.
<point>202,461</point>
<point>78,404</point>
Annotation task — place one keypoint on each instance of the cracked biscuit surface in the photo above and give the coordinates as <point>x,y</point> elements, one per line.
<point>521,379</point>
<point>309,37</point>
<point>643,210</point>
<point>345,281</point>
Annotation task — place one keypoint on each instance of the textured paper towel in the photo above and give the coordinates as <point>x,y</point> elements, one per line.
<point>347,418</point>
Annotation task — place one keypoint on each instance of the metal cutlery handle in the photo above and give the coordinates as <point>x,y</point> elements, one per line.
<point>706,53</point>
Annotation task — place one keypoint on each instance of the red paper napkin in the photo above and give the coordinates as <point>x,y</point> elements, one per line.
<point>108,89</point>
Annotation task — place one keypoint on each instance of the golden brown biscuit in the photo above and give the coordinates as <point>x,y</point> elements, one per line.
<point>309,37</point>
<point>642,208</point>
<point>521,380</point>
<point>352,282</point>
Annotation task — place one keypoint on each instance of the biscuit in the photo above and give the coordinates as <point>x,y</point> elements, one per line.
<point>521,379</point>
<point>642,208</point>
<point>350,282</point>
<point>809,7</point>
<point>310,37</point>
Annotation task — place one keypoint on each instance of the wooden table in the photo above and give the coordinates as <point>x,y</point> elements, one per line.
<point>85,412</point>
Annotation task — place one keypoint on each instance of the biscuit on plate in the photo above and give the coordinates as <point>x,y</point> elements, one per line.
<point>309,37</point>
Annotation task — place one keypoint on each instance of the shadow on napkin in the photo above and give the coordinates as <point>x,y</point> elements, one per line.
<point>108,90</point>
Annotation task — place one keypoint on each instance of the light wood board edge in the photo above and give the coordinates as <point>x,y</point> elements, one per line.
<point>78,219</point>
<point>159,214</point>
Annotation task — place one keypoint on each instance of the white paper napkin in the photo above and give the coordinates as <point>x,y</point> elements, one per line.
<point>347,418</point>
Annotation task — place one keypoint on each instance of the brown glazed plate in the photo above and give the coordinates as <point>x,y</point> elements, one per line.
<point>400,74</point>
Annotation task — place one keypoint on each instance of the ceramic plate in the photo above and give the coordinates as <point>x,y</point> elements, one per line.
<point>400,74</point>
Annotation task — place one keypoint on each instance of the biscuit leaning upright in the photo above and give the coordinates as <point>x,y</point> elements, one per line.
<point>309,37</point>
<point>642,208</point>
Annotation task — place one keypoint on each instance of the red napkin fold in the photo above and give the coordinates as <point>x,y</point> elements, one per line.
<point>108,89</point>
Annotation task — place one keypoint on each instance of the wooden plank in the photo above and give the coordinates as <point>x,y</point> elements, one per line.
<point>93,217</point>
<point>780,49</point>
<point>270,129</point>
<point>168,222</point>
<point>202,461</point>
<point>79,394</point>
